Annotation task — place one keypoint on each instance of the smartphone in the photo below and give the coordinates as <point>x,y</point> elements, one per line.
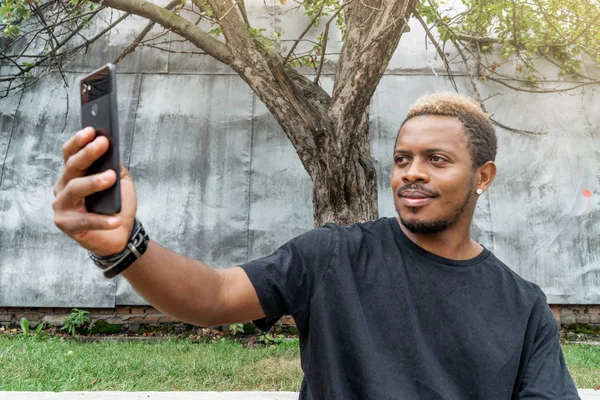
<point>98,92</point>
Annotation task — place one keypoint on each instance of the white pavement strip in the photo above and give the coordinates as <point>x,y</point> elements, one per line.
<point>149,395</point>
<point>586,394</point>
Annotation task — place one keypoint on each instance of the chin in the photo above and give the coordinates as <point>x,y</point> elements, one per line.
<point>425,227</point>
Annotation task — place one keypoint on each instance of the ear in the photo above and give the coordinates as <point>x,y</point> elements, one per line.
<point>485,175</point>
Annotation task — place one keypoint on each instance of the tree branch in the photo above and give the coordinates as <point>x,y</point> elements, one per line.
<point>437,48</point>
<point>57,59</point>
<point>456,44</point>
<point>242,6</point>
<point>521,89</point>
<point>237,37</point>
<point>143,34</point>
<point>310,25</point>
<point>364,57</point>
<point>542,91</point>
<point>326,38</point>
<point>297,105</point>
<point>177,24</point>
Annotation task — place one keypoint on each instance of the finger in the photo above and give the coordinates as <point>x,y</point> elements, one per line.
<point>77,142</point>
<point>75,222</point>
<point>78,163</point>
<point>124,171</point>
<point>78,188</point>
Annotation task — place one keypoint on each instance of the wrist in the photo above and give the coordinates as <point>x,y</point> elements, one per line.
<point>136,246</point>
<point>130,234</point>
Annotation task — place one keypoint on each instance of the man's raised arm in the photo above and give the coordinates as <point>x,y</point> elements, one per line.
<point>183,288</point>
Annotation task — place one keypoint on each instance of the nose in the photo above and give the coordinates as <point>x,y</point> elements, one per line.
<point>415,172</point>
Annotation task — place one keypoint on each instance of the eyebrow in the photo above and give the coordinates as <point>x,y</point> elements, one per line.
<point>426,151</point>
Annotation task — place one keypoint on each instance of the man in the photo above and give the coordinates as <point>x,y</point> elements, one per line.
<point>406,308</point>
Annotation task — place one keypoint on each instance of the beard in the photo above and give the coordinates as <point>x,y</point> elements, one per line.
<point>427,227</point>
<point>438,225</point>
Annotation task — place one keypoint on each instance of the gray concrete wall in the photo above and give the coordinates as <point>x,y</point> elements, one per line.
<point>218,180</point>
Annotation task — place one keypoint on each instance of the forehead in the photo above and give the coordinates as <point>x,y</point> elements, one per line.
<point>432,131</point>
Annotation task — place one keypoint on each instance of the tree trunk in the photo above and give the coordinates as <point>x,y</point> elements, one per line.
<point>345,187</point>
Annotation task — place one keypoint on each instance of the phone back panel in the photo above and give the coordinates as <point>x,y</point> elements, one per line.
<point>101,114</point>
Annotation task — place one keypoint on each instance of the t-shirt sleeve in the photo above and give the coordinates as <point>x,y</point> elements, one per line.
<point>286,280</point>
<point>546,375</point>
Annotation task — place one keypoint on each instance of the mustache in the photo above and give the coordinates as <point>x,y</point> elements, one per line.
<point>420,188</point>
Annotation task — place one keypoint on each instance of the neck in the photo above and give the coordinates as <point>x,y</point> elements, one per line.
<point>454,243</point>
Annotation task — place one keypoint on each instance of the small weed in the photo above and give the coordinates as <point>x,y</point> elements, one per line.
<point>75,322</point>
<point>268,339</point>
<point>582,328</point>
<point>25,327</point>
<point>236,328</point>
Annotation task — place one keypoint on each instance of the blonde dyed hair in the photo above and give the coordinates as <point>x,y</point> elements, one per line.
<point>481,137</point>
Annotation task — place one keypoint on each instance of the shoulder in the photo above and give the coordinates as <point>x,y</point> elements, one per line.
<point>363,230</point>
<point>331,236</point>
<point>511,281</point>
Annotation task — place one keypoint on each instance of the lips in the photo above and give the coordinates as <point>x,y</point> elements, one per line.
<point>415,198</point>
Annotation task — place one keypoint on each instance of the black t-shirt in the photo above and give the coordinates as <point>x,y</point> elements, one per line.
<point>381,318</point>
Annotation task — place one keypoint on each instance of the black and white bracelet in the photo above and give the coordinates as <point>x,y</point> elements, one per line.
<point>136,246</point>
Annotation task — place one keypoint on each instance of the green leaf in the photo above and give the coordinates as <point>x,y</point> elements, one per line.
<point>217,30</point>
<point>24,326</point>
<point>39,328</point>
<point>5,10</point>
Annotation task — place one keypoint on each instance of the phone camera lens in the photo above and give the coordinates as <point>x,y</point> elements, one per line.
<point>83,90</point>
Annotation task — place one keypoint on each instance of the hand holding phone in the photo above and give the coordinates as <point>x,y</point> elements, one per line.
<point>94,182</point>
<point>98,93</point>
<point>98,233</point>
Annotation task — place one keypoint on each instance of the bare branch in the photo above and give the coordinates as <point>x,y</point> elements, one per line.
<point>175,23</point>
<point>167,50</point>
<point>143,33</point>
<point>242,6</point>
<point>237,36</point>
<point>476,90</point>
<point>56,60</point>
<point>310,25</point>
<point>438,48</point>
<point>326,37</point>
<point>516,130</point>
<point>520,89</point>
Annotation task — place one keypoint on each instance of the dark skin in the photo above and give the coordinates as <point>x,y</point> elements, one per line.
<point>434,173</point>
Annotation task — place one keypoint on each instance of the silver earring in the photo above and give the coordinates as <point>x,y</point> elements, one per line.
<point>480,191</point>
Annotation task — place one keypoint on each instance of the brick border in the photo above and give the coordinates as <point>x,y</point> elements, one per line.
<point>131,317</point>
<point>577,314</point>
<point>128,316</point>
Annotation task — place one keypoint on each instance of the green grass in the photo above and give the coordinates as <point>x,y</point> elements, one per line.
<point>583,362</point>
<point>52,364</point>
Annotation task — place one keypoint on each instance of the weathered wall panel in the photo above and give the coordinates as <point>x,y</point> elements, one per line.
<point>218,180</point>
<point>8,109</point>
<point>191,164</point>
<point>281,189</point>
<point>544,226</point>
<point>39,265</point>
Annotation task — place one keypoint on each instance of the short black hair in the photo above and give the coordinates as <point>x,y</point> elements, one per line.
<point>481,136</point>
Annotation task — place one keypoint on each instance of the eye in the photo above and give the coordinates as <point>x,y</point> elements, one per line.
<point>437,159</point>
<point>400,160</point>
